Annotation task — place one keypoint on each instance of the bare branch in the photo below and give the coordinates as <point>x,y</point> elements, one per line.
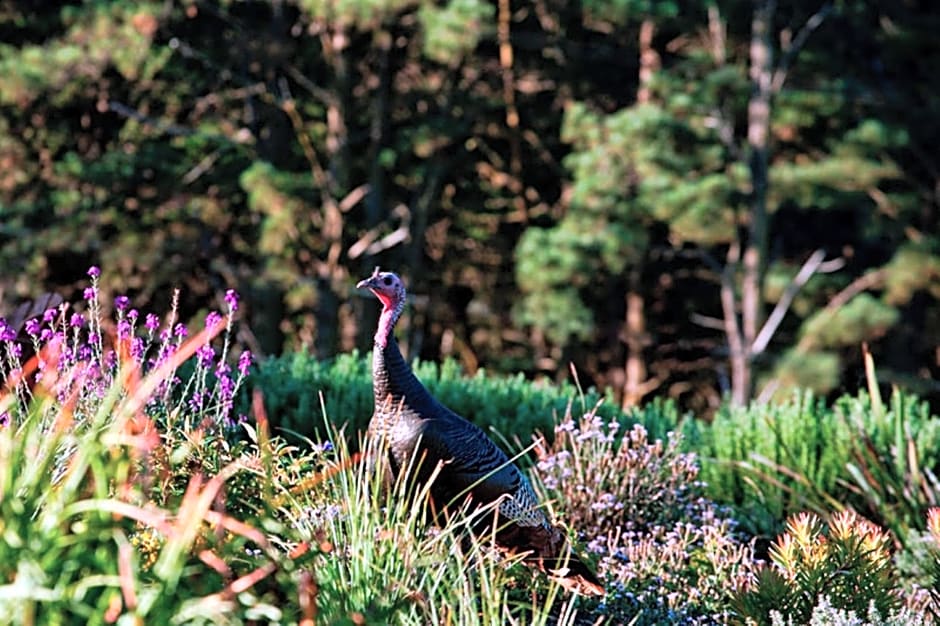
<point>706,321</point>
<point>783,304</point>
<point>789,54</point>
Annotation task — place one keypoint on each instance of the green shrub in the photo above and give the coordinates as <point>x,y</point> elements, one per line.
<point>850,566</point>
<point>511,406</point>
<point>772,460</point>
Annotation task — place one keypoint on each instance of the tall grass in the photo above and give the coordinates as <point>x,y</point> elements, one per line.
<point>126,497</point>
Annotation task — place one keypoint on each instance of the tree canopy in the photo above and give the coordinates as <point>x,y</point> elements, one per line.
<point>689,199</point>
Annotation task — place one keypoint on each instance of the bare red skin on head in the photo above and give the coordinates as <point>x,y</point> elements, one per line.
<point>385,299</point>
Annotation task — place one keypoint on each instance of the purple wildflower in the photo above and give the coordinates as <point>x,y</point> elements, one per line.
<point>152,322</point>
<point>84,353</point>
<point>94,271</point>
<point>16,349</point>
<point>180,331</point>
<point>46,334</point>
<point>123,329</point>
<point>93,338</point>
<point>32,326</point>
<point>244,362</point>
<point>138,347</point>
<point>213,318</point>
<point>48,315</point>
<point>132,315</point>
<point>205,354</point>
<point>231,298</point>
<point>121,302</point>
<point>226,387</point>
<point>195,401</point>
<point>76,321</point>
<point>90,293</point>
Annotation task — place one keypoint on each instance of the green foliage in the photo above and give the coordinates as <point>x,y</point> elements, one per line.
<point>452,31</point>
<point>511,406</point>
<point>774,460</point>
<point>849,566</point>
<point>910,270</point>
<point>862,318</point>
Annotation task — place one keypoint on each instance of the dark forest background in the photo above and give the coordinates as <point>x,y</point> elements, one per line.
<point>694,200</point>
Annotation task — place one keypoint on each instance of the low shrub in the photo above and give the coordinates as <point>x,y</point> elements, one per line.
<point>668,554</point>
<point>842,566</point>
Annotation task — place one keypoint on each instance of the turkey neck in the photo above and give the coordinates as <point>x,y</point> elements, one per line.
<point>393,383</point>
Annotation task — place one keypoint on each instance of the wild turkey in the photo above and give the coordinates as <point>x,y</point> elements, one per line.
<point>407,415</point>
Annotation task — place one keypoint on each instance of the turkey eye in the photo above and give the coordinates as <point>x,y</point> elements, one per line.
<point>387,280</point>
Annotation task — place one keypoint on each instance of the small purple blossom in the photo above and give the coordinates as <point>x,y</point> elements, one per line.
<point>138,347</point>
<point>231,298</point>
<point>32,326</point>
<point>90,293</point>
<point>84,353</point>
<point>226,387</point>
<point>121,302</point>
<point>76,321</point>
<point>180,331</point>
<point>123,329</point>
<point>152,322</point>
<point>46,334</point>
<point>93,338</point>
<point>48,315</point>
<point>205,354</point>
<point>195,401</point>
<point>132,315</point>
<point>94,271</point>
<point>213,318</point>
<point>244,362</point>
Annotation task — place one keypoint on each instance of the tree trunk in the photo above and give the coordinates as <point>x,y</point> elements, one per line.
<point>635,384</point>
<point>649,60</point>
<point>754,258</point>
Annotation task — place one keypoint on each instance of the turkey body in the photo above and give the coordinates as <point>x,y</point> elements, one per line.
<point>422,432</point>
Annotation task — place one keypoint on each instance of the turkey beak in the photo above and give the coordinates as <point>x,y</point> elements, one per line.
<point>369,283</point>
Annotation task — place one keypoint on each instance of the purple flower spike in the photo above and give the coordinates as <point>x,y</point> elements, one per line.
<point>180,331</point>
<point>123,329</point>
<point>152,322</point>
<point>205,354</point>
<point>231,298</point>
<point>32,327</point>
<point>94,271</point>
<point>132,315</point>
<point>213,318</point>
<point>121,302</point>
<point>76,321</point>
<point>48,315</point>
<point>90,293</point>
<point>244,362</point>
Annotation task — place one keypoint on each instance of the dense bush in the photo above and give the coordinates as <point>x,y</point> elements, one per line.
<point>513,407</point>
<point>773,460</point>
<point>844,566</point>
